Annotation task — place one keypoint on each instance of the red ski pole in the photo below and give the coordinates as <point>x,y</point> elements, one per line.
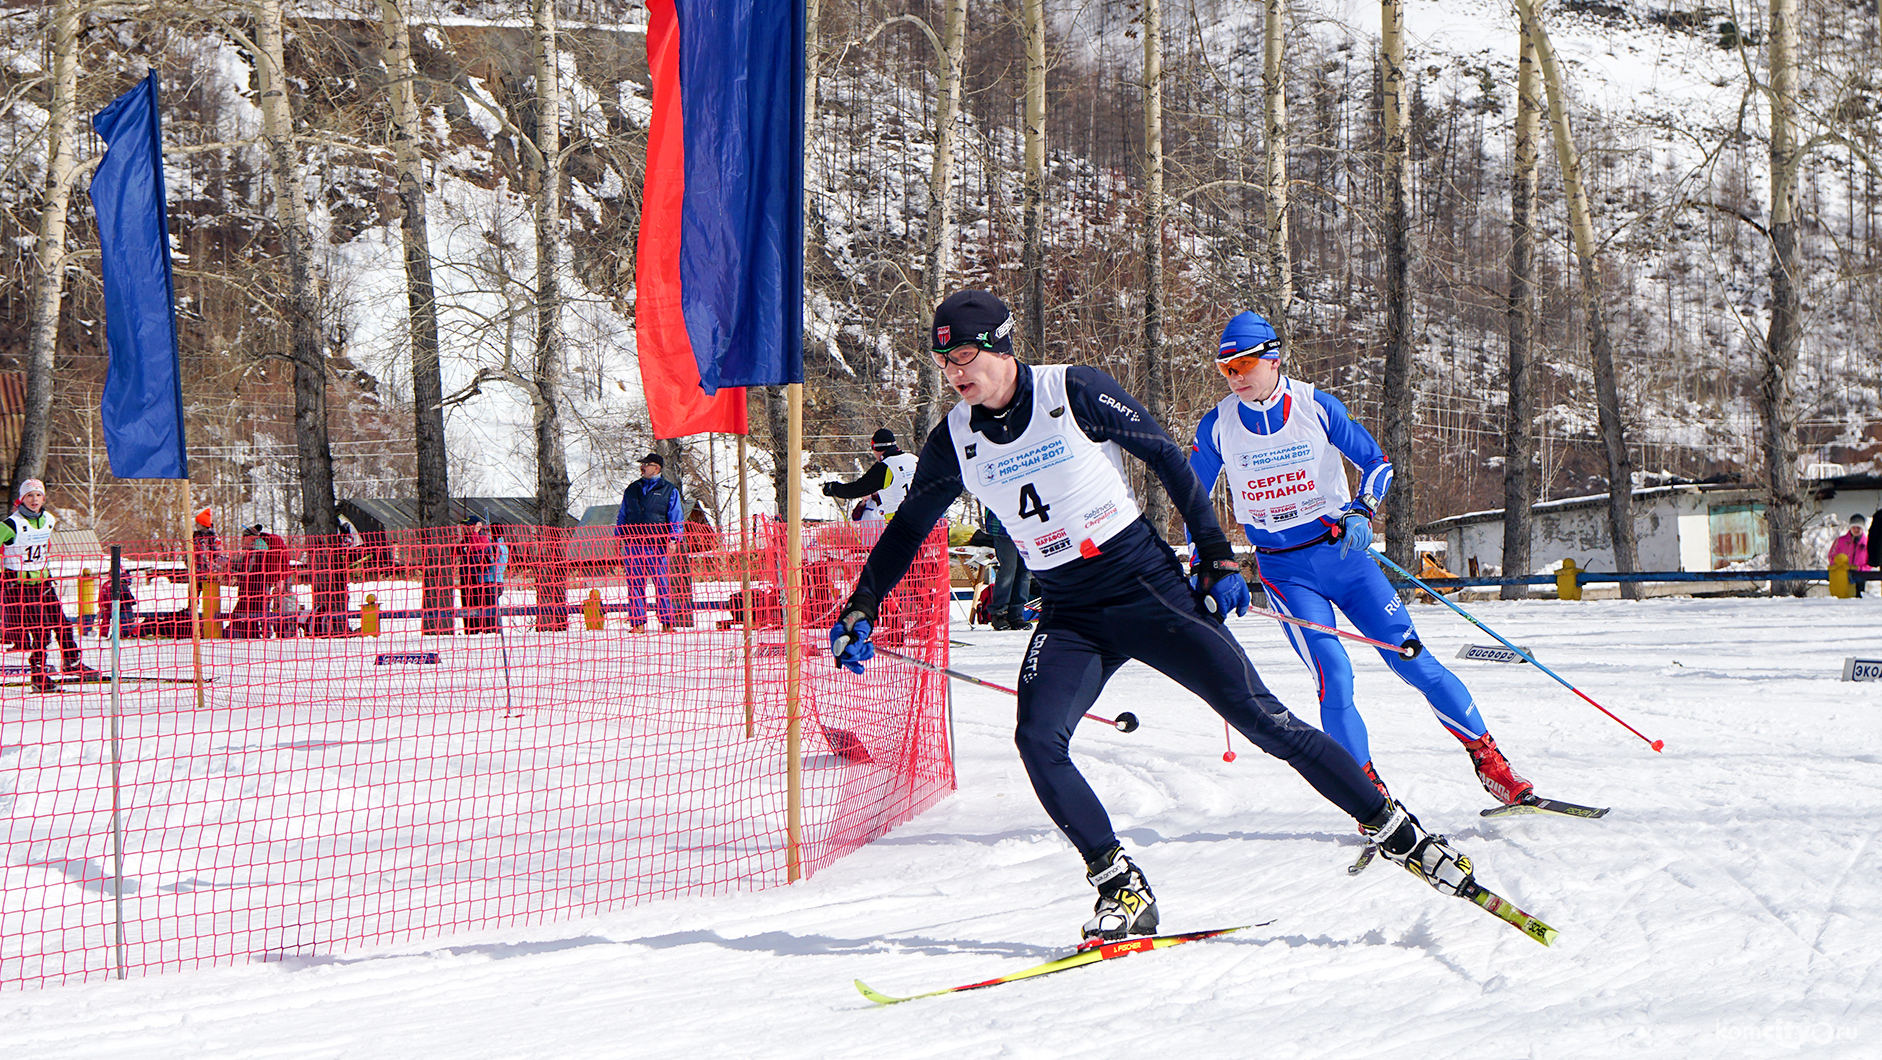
<point>1407,650</point>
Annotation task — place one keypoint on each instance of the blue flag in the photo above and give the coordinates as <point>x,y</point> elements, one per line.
<point>741,274</point>
<point>142,405</point>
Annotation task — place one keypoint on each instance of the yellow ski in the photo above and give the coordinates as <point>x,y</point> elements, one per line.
<point>1102,952</point>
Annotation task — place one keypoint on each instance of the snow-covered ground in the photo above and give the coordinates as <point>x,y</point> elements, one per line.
<point>1720,910</point>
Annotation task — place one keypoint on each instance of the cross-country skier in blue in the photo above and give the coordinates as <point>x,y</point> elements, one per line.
<point>1043,448</point>
<point>1281,441</point>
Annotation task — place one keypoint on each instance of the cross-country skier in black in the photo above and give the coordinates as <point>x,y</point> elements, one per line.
<point>1043,448</point>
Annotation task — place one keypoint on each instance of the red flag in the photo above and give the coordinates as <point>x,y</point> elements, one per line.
<point>669,374</point>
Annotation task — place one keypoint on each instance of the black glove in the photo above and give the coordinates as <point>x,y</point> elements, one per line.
<point>829,489</point>
<point>1217,580</point>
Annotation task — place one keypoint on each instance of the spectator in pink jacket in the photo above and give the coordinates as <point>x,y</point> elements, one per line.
<point>1854,544</point>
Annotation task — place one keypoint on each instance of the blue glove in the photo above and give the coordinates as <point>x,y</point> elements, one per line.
<point>1216,579</point>
<point>849,638</point>
<point>1355,529</point>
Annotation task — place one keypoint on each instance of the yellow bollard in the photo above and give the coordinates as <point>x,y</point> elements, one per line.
<point>369,616</point>
<point>591,610</point>
<point>1840,586</point>
<point>88,602</point>
<point>212,609</point>
<point>1565,587</point>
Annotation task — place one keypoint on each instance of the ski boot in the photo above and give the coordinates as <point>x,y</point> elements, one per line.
<point>1125,905</point>
<point>1402,839</point>
<point>43,682</point>
<point>1494,771</point>
<point>81,672</point>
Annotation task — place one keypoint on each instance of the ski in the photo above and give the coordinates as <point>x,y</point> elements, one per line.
<point>1078,959</point>
<point>1495,904</point>
<point>1531,804</point>
<point>1501,908</point>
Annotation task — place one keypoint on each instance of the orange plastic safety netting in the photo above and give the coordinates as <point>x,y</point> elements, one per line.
<point>510,747</point>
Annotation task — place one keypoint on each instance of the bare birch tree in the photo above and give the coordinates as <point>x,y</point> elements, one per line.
<point>1581,225</point>
<point>1278,266</point>
<point>420,297</point>
<point>306,352</point>
<point>1033,195</point>
<point>433,478</point>
<point>552,468</point>
<point>1400,394</point>
<point>1156,378</point>
<point>49,251</point>
<point>940,258</point>
<point>1776,400</point>
<point>1519,443</point>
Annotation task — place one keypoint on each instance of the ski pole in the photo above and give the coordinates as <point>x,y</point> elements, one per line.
<point>1407,650</point>
<point>1125,722</point>
<point>1657,745</point>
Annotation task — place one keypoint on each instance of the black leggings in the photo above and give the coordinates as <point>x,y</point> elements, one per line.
<point>1075,650</point>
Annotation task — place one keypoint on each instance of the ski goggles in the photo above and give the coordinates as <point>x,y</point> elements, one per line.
<point>1235,366</point>
<point>1235,362</point>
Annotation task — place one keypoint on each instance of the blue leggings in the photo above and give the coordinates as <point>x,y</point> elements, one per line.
<point>1306,584</point>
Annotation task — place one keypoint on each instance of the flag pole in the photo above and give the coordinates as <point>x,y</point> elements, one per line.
<point>194,615</point>
<point>744,575</point>
<point>793,635</point>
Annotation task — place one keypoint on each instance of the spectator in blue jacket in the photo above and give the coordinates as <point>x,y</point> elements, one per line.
<point>648,525</point>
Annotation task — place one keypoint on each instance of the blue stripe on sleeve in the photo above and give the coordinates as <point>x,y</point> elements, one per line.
<point>1352,439</point>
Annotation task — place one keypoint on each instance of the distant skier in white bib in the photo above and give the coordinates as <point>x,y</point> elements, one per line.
<point>1281,442</point>
<point>1043,448</point>
<point>886,481</point>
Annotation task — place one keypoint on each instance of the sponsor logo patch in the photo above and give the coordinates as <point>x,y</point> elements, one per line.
<point>1297,453</point>
<point>1053,543</point>
<point>1100,515</point>
<point>999,469</point>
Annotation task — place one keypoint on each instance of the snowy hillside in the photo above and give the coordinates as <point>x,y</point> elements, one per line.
<point>1723,909</point>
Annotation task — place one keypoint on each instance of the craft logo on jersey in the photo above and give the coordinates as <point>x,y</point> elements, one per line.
<point>1053,543</point>
<point>1000,469</point>
<point>1106,399</point>
<point>1297,453</point>
<point>1100,515</point>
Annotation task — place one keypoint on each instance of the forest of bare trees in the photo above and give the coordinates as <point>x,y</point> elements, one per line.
<point>1692,292</point>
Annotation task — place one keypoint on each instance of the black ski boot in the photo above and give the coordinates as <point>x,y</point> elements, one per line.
<point>1401,838</point>
<point>1125,905</point>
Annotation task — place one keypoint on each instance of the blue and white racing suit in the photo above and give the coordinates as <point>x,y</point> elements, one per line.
<point>1283,460</point>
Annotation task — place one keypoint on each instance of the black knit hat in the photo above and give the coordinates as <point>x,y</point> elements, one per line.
<point>884,438</point>
<point>972,316</point>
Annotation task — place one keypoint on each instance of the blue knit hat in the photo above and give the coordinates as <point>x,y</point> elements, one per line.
<point>1248,335</point>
